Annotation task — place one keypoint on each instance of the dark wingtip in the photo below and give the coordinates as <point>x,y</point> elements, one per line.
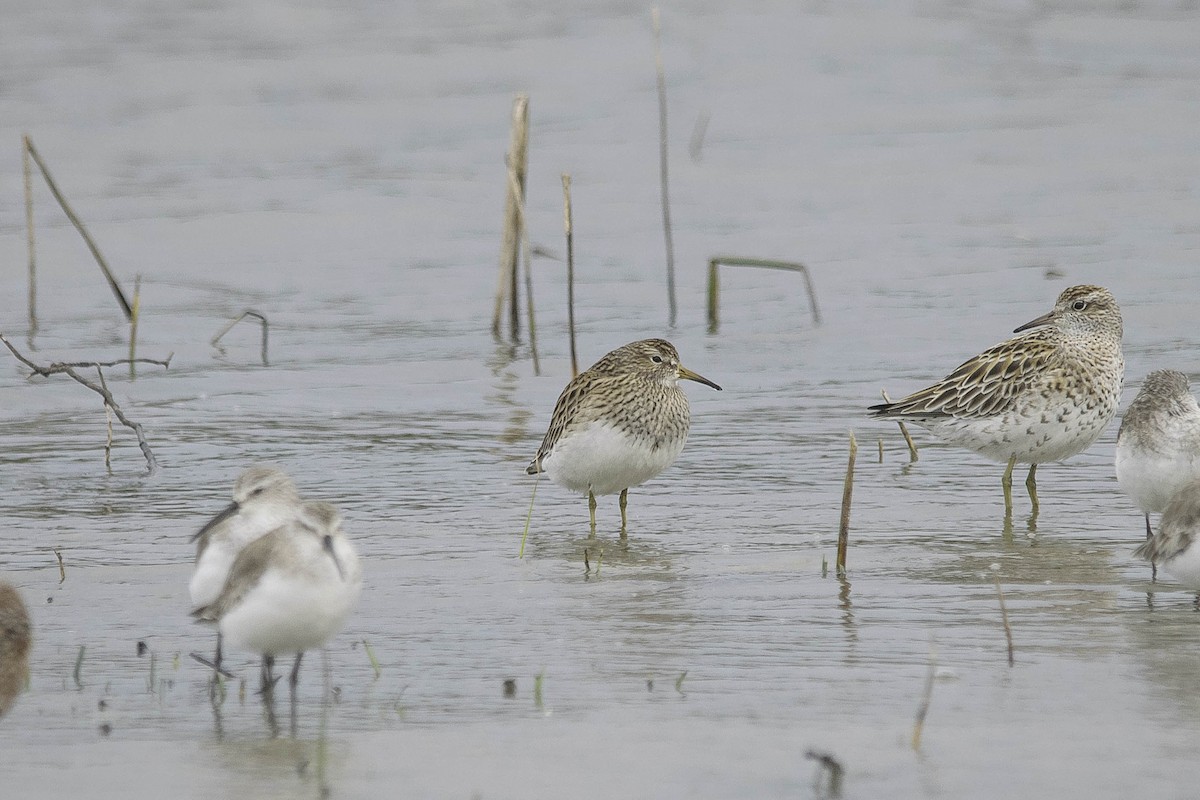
<point>532,469</point>
<point>880,410</point>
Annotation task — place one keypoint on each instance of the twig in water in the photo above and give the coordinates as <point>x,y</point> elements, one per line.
<point>62,202</point>
<point>79,665</point>
<point>529,516</point>
<point>151,462</point>
<point>220,671</point>
<point>912,447</point>
<point>926,697</point>
<point>537,689</point>
<point>714,283</point>
<point>587,567</point>
<point>62,570</point>
<point>844,525</point>
<point>371,658</point>
<point>61,366</point>
<point>568,228</point>
<point>662,162</point>
<point>880,449</point>
<point>829,766</point>
<point>679,682</point>
<point>1004,619</point>
<point>214,341</point>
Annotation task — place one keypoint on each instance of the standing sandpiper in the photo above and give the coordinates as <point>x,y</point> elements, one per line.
<point>1158,446</point>
<point>289,590</point>
<point>1176,546</point>
<point>619,423</point>
<point>1042,396</point>
<point>264,498</point>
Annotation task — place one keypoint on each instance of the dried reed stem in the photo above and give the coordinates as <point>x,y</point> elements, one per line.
<point>662,163</point>
<point>62,202</point>
<point>511,242</point>
<point>214,341</point>
<point>523,226</point>
<point>844,526</point>
<point>29,236</point>
<point>714,286</point>
<point>568,228</point>
<point>133,325</point>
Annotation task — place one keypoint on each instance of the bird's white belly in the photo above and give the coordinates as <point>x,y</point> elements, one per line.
<point>289,614</point>
<point>603,459</point>
<point>1151,479</point>
<point>1032,439</point>
<point>1185,567</point>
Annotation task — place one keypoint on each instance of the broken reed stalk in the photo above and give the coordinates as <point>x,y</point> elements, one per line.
<point>829,766</point>
<point>714,283</point>
<point>79,666</point>
<point>133,325</point>
<point>371,658</point>
<point>1004,619</point>
<point>510,245</point>
<point>62,569</point>
<point>126,308</point>
<point>926,698</point>
<point>215,341</point>
<point>662,163</point>
<point>528,261</point>
<point>568,228</point>
<point>843,540</point>
<point>102,390</point>
<point>912,446</point>
<point>30,241</point>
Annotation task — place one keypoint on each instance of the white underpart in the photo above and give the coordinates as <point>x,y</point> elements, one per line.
<point>1033,440</point>
<point>227,540</point>
<point>299,605</point>
<point>603,459</point>
<point>1185,567</point>
<point>1151,478</point>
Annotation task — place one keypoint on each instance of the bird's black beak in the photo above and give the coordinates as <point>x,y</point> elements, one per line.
<point>327,541</point>
<point>229,511</point>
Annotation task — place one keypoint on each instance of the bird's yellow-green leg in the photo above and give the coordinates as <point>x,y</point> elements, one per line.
<point>624,500</point>
<point>1031,485</point>
<point>1006,482</point>
<point>592,510</point>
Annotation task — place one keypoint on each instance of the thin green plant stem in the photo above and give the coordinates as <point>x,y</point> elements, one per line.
<point>529,516</point>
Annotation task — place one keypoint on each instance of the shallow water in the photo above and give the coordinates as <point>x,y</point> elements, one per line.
<point>944,170</point>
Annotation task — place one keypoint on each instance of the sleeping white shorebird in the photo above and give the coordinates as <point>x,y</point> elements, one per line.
<point>264,498</point>
<point>289,590</point>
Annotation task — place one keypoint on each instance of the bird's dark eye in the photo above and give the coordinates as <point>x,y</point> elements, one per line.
<point>656,359</point>
<point>1079,305</point>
